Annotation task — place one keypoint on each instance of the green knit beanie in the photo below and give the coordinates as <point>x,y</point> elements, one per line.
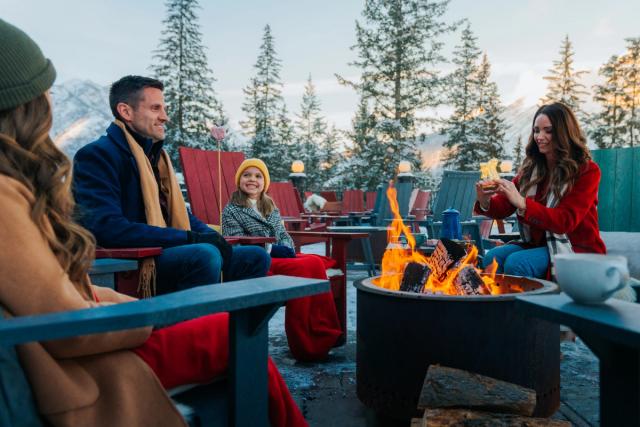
<point>24,71</point>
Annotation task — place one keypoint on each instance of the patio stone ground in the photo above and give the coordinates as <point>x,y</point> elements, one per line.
<point>326,392</point>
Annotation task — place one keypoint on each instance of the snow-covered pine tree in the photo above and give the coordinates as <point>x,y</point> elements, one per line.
<point>488,127</point>
<point>461,148</point>
<point>363,146</point>
<point>518,154</point>
<point>329,157</point>
<point>262,105</point>
<point>311,132</point>
<point>398,46</point>
<point>563,80</point>
<point>285,146</point>
<point>630,67</point>
<point>608,128</point>
<point>181,64</point>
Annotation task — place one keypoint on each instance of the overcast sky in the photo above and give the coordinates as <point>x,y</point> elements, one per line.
<point>104,40</point>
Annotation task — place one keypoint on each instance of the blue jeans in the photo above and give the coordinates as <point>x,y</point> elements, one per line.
<point>518,261</point>
<point>183,267</point>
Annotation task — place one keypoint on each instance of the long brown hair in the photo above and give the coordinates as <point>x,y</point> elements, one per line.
<point>265,204</point>
<point>570,149</point>
<point>28,155</point>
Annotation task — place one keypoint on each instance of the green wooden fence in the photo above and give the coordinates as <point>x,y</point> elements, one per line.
<point>619,193</point>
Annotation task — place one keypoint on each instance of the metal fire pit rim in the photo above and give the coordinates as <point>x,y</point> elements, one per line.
<point>547,288</point>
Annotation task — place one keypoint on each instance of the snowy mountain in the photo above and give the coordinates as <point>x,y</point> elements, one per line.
<point>80,114</point>
<point>517,117</point>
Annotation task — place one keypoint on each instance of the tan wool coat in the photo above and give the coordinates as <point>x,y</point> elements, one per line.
<point>84,381</point>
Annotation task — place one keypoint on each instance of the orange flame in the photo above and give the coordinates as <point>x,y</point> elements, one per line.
<point>398,255</point>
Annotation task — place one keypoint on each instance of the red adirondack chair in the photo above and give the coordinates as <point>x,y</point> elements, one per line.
<point>200,170</point>
<point>329,196</point>
<point>371,200</point>
<point>352,201</point>
<point>420,208</point>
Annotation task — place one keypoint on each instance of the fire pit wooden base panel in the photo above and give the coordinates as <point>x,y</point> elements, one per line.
<point>398,337</point>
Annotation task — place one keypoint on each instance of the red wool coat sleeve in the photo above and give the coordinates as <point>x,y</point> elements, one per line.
<point>576,215</point>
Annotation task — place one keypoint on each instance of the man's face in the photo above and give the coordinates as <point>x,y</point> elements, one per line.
<point>149,116</point>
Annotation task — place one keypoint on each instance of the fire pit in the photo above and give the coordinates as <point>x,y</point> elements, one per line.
<point>443,310</point>
<point>399,334</point>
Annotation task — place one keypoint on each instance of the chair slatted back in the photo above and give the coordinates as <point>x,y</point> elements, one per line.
<point>207,195</point>
<point>352,201</point>
<point>286,199</point>
<point>420,206</point>
<point>371,200</point>
<point>457,191</point>
<point>329,196</point>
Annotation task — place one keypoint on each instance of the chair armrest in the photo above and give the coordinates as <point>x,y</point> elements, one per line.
<point>164,309</point>
<point>128,253</point>
<point>328,235</point>
<point>249,240</point>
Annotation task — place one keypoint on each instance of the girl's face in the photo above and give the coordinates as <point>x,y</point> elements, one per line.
<point>252,182</point>
<point>543,135</point>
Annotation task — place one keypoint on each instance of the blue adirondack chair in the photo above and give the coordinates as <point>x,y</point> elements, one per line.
<point>239,400</point>
<point>457,191</point>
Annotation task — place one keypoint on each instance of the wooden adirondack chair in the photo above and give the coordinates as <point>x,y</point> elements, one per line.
<point>287,199</point>
<point>329,196</point>
<point>200,169</point>
<point>457,191</point>
<point>352,201</point>
<point>371,199</point>
<point>240,399</point>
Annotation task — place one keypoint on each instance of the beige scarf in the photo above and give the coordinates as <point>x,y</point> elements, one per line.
<point>177,209</point>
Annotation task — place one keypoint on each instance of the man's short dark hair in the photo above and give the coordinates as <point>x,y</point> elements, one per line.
<point>129,90</point>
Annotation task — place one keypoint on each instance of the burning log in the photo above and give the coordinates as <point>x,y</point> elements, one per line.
<point>469,282</point>
<point>465,417</point>
<point>414,277</point>
<point>445,256</point>
<point>449,387</point>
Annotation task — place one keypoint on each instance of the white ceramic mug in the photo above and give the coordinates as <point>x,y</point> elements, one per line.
<point>591,278</point>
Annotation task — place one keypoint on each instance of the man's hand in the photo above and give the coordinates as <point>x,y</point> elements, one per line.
<point>216,240</point>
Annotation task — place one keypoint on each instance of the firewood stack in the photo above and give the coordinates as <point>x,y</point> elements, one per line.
<point>447,256</point>
<point>453,397</point>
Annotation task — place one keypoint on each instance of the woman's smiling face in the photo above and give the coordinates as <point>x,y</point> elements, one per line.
<point>543,135</point>
<point>252,182</point>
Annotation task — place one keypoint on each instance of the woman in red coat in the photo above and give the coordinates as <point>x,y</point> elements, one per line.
<point>311,323</point>
<point>555,197</point>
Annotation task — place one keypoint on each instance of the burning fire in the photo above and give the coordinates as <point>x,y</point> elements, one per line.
<point>397,257</point>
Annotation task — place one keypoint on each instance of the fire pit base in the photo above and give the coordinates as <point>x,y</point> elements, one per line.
<point>399,334</point>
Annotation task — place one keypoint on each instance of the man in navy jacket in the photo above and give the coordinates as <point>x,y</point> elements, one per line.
<point>107,188</point>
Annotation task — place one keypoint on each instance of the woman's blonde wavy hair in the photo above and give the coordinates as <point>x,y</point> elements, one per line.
<point>28,155</point>
<point>570,149</point>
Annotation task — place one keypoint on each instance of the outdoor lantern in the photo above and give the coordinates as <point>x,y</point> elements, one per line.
<point>404,167</point>
<point>404,172</point>
<point>297,166</point>
<point>506,166</point>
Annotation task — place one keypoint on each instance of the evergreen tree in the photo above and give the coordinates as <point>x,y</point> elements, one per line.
<point>630,68</point>
<point>608,128</point>
<point>183,68</point>
<point>263,105</point>
<point>358,173</point>
<point>311,132</point>
<point>285,147</point>
<point>461,148</point>
<point>329,158</point>
<point>488,126</point>
<point>518,154</point>
<point>398,48</point>
<point>563,80</point>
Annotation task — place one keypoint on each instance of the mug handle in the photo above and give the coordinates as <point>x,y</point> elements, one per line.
<point>624,278</point>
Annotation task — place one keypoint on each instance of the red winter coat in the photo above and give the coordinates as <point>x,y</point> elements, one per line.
<point>576,215</point>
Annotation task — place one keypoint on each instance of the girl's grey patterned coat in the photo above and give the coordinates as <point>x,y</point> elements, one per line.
<point>242,221</point>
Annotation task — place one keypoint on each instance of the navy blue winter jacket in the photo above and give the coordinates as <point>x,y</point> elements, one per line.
<point>106,185</point>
